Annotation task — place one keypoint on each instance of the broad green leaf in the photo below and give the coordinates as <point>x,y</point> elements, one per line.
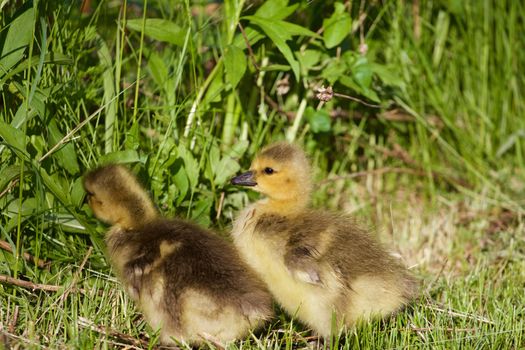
<point>13,136</point>
<point>285,29</point>
<point>158,69</point>
<point>8,174</point>
<point>226,168</point>
<point>276,9</point>
<point>277,35</point>
<point>367,92</point>
<point>337,27</point>
<point>121,157</point>
<point>214,157</point>
<point>159,29</point>
<point>190,165</point>
<point>22,116</point>
<point>66,155</point>
<point>77,192</point>
<point>271,9</point>
<point>55,187</point>
<point>19,34</point>
<point>362,75</point>
<point>132,140</point>
<point>201,211</point>
<point>40,144</point>
<point>27,209</point>
<point>238,149</point>
<point>69,223</point>
<point>234,64</point>
<point>387,75</point>
<point>308,59</point>
<point>213,93</point>
<point>180,179</point>
<point>334,71</point>
<point>252,34</point>
<point>319,121</point>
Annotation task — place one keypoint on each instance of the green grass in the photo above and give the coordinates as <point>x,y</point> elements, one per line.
<point>438,169</point>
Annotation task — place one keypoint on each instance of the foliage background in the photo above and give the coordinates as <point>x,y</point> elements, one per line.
<point>423,138</point>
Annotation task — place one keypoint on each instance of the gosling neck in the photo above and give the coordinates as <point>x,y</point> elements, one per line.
<point>291,206</point>
<point>137,217</point>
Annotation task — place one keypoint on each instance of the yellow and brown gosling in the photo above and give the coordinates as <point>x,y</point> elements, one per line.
<point>317,264</point>
<point>187,281</point>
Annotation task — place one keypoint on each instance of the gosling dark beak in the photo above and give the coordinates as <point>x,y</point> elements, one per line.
<point>245,179</point>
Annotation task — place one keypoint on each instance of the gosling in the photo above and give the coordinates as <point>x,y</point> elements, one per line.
<point>187,281</point>
<point>321,267</point>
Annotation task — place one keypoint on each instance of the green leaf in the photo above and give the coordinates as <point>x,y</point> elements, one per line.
<point>319,121</point>
<point>362,75</point>
<point>213,93</point>
<point>284,29</point>
<point>276,9</point>
<point>180,179</point>
<point>234,64</point>
<point>159,29</point>
<point>69,223</point>
<point>271,9</point>
<point>120,157</point>
<point>337,27</point>
<point>334,71</point>
<point>387,76</point>
<point>190,164</point>
<point>308,59</point>
<point>158,69</point>
<point>55,187</point>
<point>369,93</point>
<point>279,36</point>
<point>19,34</point>
<point>22,116</point>
<point>12,136</point>
<point>29,206</point>
<point>201,211</point>
<point>77,192</point>
<point>214,157</point>
<point>292,29</point>
<point>238,149</point>
<point>8,174</point>
<point>66,155</point>
<point>226,168</point>
<point>132,139</point>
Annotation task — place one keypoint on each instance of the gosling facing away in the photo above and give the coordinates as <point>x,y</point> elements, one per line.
<point>187,281</point>
<point>316,264</point>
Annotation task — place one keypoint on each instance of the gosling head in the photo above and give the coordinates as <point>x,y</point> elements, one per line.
<point>116,197</point>
<point>281,172</point>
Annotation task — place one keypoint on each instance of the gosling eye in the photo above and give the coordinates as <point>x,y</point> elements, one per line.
<point>268,171</point>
